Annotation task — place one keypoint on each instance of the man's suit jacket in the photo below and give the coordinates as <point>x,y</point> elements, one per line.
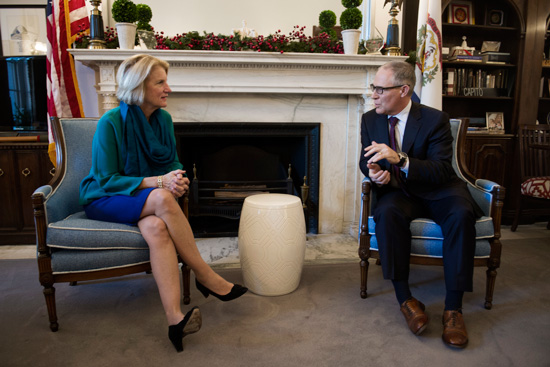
<point>427,140</point>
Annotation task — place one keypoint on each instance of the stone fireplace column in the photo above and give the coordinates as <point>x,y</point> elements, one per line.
<point>107,86</point>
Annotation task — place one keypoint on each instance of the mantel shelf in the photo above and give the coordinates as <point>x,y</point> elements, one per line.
<point>246,72</point>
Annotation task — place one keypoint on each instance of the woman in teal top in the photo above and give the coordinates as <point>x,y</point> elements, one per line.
<point>136,177</point>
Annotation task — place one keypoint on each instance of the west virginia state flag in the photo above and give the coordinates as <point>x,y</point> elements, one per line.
<point>65,19</point>
<point>429,73</point>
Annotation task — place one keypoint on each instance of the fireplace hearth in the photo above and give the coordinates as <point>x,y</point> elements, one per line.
<point>226,162</point>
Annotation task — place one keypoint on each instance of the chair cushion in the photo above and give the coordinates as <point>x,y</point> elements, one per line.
<point>427,239</point>
<point>434,248</point>
<point>77,232</point>
<point>538,187</point>
<point>74,261</point>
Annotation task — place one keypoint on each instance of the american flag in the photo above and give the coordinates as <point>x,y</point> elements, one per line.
<point>65,19</point>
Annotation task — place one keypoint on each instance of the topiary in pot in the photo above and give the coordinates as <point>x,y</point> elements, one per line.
<point>327,20</point>
<point>145,32</point>
<point>144,15</point>
<point>124,11</point>
<point>351,18</point>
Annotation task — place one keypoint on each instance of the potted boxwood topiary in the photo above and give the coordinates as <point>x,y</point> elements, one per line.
<point>327,21</point>
<point>144,30</point>
<point>350,21</point>
<point>124,13</point>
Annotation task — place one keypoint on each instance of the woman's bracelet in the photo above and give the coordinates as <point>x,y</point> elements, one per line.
<point>159,182</point>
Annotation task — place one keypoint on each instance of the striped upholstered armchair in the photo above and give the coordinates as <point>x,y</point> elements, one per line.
<point>71,247</point>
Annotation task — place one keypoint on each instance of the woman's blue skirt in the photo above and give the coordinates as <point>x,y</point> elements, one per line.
<point>119,208</point>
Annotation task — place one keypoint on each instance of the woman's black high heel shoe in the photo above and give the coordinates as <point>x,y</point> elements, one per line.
<point>236,292</point>
<point>190,324</point>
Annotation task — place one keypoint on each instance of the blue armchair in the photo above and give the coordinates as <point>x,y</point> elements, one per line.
<point>71,247</point>
<point>427,238</point>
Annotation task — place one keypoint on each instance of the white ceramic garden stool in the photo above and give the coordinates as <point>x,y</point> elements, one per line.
<point>272,243</point>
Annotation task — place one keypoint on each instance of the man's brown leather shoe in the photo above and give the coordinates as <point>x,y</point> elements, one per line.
<point>454,329</point>
<point>413,310</point>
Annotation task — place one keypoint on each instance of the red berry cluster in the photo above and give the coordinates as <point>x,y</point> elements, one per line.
<point>296,41</point>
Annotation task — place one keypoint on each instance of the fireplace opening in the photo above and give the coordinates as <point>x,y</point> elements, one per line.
<point>226,162</point>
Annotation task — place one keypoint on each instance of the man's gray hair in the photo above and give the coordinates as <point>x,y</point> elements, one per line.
<point>403,73</point>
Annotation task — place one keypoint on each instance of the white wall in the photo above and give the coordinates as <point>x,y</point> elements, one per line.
<point>222,16</point>
<point>23,2</point>
<point>265,17</point>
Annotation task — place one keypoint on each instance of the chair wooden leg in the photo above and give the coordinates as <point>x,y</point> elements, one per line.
<point>364,273</point>
<point>49,295</point>
<point>186,284</point>
<point>490,287</point>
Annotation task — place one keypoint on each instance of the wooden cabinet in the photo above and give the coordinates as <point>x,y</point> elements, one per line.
<point>486,156</point>
<point>23,168</point>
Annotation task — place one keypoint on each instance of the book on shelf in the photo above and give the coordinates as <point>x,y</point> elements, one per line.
<point>449,81</point>
<point>466,58</point>
<point>475,82</point>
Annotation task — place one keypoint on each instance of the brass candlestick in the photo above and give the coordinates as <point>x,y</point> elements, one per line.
<point>97,35</point>
<point>392,39</point>
<point>305,195</point>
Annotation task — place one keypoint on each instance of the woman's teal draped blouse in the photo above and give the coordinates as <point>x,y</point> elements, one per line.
<point>127,148</point>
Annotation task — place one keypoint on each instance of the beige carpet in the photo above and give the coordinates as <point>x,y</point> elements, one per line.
<point>323,323</point>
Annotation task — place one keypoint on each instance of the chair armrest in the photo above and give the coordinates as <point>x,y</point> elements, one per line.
<point>45,191</point>
<point>365,207</point>
<point>38,199</point>
<point>487,194</point>
<point>366,188</point>
<point>486,185</point>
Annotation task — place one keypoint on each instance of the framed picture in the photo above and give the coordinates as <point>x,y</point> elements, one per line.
<point>495,17</point>
<point>23,30</point>
<point>495,120</point>
<point>461,12</point>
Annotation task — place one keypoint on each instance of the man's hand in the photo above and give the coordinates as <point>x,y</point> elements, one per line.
<point>377,175</point>
<point>379,152</point>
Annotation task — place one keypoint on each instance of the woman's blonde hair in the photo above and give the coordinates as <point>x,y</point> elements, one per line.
<point>131,77</point>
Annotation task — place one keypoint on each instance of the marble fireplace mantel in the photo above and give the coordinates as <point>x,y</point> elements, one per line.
<point>223,86</point>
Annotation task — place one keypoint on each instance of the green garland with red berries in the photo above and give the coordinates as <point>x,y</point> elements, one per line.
<point>295,41</point>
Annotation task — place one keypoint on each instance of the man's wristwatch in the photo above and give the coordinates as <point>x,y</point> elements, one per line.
<point>402,159</point>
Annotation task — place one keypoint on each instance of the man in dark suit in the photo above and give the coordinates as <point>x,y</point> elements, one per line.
<point>415,179</point>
